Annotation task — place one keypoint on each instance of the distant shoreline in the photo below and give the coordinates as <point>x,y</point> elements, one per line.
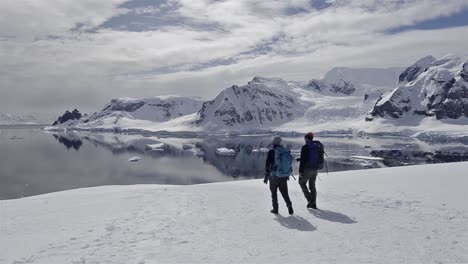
<point>16,126</point>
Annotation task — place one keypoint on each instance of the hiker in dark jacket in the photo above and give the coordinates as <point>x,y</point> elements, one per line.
<point>276,183</point>
<point>307,173</point>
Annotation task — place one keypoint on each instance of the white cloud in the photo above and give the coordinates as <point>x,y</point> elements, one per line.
<point>58,52</point>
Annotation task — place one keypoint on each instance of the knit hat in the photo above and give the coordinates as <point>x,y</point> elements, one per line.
<point>277,141</point>
<point>309,135</point>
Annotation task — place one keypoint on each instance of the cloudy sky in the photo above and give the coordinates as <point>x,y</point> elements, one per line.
<point>58,54</point>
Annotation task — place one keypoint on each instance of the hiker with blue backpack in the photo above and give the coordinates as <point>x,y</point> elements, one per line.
<point>278,168</point>
<point>312,159</point>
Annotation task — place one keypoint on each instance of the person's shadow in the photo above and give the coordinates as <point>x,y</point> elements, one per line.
<point>332,216</point>
<point>295,222</point>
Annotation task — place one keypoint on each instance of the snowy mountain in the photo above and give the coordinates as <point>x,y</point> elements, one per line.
<point>429,87</point>
<point>272,102</point>
<point>361,77</point>
<point>125,111</point>
<point>331,105</point>
<point>261,103</point>
<point>25,119</point>
<point>356,81</point>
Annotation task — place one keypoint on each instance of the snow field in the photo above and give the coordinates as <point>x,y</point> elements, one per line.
<point>415,214</point>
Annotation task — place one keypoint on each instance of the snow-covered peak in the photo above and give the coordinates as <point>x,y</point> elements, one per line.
<point>261,103</point>
<point>154,109</point>
<point>341,81</point>
<point>359,77</point>
<point>440,90</point>
<point>413,71</point>
<point>273,82</point>
<point>425,61</point>
<point>448,61</point>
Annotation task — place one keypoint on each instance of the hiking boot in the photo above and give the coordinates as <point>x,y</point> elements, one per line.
<point>311,205</point>
<point>274,211</point>
<point>290,210</point>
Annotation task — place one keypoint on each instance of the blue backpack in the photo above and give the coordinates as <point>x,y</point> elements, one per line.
<point>316,155</point>
<point>283,162</point>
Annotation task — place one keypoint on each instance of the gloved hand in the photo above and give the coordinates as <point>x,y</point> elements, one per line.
<point>265,180</point>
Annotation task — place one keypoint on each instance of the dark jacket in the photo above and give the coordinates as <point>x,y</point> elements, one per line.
<point>304,163</point>
<point>270,162</point>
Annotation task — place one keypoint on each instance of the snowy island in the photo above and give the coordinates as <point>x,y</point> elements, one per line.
<point>414,214</point>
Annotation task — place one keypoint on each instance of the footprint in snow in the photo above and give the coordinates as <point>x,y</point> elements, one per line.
<point>254,252</point>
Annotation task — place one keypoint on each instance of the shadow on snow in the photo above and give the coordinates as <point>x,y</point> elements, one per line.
<point>332,216</point>
<point>295,222</point>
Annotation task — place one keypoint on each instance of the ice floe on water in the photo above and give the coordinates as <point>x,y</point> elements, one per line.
<point>225,151</point>
<point>134,159</point>
<point>367,158</point>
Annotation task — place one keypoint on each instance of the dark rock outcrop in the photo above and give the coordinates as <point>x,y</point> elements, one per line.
<point>74,115</point>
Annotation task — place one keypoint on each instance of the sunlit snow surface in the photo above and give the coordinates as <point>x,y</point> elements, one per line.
<point>414,214</point>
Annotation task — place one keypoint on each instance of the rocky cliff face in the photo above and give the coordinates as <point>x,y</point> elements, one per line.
<point>429,88</point>
<point>412,72</point>
<point>68,117</point>
<point>337,87</point>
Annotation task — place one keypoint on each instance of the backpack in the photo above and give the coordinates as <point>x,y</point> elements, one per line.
<point>316,155</point>
<point>283,162</point>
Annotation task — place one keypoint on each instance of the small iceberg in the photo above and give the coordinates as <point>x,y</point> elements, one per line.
<point>225,151</point>
<point>157,147</point>
<point>367,158</point>
<point>134,159</point>
<point>261,150</point>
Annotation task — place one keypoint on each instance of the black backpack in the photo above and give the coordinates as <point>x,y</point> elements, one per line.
<point>316,155</point>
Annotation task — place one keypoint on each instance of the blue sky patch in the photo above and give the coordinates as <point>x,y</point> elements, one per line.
<point>150,15</point>
<point>454,20</point>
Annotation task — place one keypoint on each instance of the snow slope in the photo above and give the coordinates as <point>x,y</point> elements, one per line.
<point>413,214</point>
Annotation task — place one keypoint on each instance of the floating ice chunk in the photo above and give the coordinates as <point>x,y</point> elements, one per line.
<point>366,158</point>
<point>157,146</point>
<point>225,151</point>
<point>134,159</point>
<point>261,150</point>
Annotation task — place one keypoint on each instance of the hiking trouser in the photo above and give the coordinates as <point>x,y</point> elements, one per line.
<point>281,184</point>
<point>309,175</point>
